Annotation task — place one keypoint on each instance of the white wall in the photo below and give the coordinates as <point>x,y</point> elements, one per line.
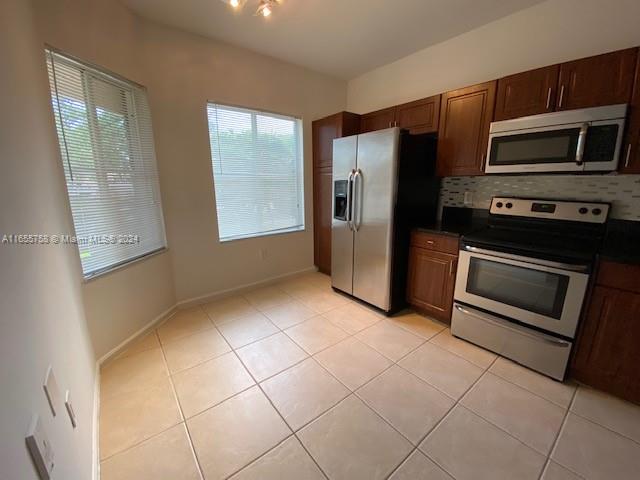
<point>182,71</point>
<point>107,34</point>
<point>42,320</point>
<point>547,33</point>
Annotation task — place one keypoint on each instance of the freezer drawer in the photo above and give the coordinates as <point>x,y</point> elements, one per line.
<point>543,353</point>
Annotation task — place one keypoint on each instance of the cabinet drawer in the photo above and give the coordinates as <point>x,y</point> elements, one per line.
<point>619,275</point>
<point>433,241</point>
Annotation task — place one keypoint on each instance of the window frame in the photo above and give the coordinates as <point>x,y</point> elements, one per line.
<point>129,86</point>
<point>300,155</point>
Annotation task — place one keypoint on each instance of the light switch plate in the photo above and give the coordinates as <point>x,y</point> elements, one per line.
<point>468,198</point>
<point>69,405</point>
<point>51,390</point>
<point>40,448</point>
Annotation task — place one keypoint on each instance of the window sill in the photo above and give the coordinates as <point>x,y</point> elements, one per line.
<point>262,234</point>
<point>123,265</point>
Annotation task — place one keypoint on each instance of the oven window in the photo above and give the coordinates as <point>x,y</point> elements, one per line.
<point>555,146</point>
<point>532,290</point>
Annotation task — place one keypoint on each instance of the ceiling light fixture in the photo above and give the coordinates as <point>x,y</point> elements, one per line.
<point>266,7</point>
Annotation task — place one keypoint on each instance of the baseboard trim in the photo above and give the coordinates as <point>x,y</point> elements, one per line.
<point>190,302</point>
<point>142,331</point>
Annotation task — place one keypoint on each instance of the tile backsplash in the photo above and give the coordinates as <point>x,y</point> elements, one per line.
<point>622,191</point>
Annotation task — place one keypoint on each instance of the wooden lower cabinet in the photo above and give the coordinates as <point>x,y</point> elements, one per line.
<point>430,282</point>
<point>607,352</point>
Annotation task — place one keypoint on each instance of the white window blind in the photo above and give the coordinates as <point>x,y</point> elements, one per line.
<point>257,171</point>
<point>106,142</point>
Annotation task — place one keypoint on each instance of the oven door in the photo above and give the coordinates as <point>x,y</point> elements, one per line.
<point>544,294</point>
<point>578,147</point>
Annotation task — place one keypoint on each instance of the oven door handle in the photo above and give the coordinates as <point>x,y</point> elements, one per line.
<point>537,261</point>
<point>498,322</point>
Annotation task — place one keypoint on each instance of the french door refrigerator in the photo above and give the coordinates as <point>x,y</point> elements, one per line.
<point>383,185</point>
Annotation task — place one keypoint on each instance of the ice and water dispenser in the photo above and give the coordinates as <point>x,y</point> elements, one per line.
<point>340,191</point>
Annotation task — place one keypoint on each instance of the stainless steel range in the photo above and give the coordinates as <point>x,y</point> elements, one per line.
<point>522,281</point>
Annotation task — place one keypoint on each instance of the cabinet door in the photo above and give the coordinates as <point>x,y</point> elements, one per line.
<point>527,93</point>
<point>421,116</point>
<point>465,116</point>
<point>607,353</point>
<point>323,190</point>
<point>378,120</point>
<point>430,282</point>
<point>596,81</point>
<point>630,156</point>
<point>325,130</point>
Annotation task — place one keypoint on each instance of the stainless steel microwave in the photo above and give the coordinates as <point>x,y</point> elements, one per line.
<point>583,140</point>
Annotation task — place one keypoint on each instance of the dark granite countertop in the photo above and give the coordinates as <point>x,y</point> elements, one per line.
<point>458,221</point>
<point>622,242</point>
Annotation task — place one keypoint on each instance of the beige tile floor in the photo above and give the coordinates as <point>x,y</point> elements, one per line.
<point>294,381</point>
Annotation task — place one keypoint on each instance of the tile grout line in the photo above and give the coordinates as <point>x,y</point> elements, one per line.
<point>445,416</point>
<point>293,433</point>
<point>177,399</point>
<point>557,437</point>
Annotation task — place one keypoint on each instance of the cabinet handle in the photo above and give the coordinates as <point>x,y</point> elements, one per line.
<point>626,160</point>
<point>429,242</point>
<point>548,98</point>
<point>561,96</point>
<point>389,123</point>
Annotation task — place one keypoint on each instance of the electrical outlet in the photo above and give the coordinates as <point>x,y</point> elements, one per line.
<point>468,198</point>
<point>70,411</point>
<point>51,390</point>
<point>40,448</point>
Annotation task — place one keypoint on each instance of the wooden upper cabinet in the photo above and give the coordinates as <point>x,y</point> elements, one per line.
<point>421,116</point>
<point>465,115</point>
<point>325,130</point>
<point>527,93</point>
<point>596,81</point>
<point>378,120</point>
<point>630,155</point>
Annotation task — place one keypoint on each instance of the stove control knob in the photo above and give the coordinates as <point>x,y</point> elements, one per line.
<point>509,205</point>
<point>499,204</point>
<point>583,210</point>
<point>596,211</point>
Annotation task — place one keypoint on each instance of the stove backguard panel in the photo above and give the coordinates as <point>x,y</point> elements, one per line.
<point>622,191</point>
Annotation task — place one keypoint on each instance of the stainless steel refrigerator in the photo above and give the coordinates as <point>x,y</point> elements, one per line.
<point>383,185</point>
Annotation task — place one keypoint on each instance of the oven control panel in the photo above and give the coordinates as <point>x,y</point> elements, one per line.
<point>550,209</point>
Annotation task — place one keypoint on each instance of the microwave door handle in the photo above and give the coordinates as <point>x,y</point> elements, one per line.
<point>582,138</point>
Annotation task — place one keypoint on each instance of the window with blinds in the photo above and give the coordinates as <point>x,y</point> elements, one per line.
<point>106,144</point>
<point>257,171</point>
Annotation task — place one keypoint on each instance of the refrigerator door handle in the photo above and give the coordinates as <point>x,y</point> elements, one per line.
<point>355,201</point>
<point>349,199</point>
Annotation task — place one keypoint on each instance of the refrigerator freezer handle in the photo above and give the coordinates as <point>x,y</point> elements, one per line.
<point>349,199</point>
<point>355,201</point>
